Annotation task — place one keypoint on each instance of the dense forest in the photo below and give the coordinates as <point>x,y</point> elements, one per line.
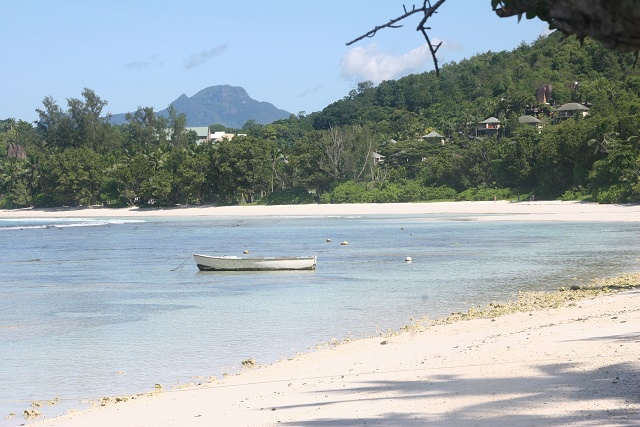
<point>459,136</point>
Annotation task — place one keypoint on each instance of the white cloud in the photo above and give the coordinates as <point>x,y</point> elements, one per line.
<point>310,91</point>
<point>143,63</point>
<point>369,63</point>
<point>200,58</point>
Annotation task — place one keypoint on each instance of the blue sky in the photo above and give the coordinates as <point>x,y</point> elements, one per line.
<point>289,53</point>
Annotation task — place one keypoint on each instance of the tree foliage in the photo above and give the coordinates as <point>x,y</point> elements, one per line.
<point>75,156</point>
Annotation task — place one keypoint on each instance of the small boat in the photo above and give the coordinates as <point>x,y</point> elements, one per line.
<point>235,263</point>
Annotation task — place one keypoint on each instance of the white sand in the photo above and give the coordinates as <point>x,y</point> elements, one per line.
<point>578,365</point>
<point>500,210</point>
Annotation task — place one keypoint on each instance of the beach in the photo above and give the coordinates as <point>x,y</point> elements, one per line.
<point>494,211</point>
<point>577,364</point>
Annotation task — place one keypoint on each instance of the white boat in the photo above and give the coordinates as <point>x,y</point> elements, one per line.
<point>235,263</point>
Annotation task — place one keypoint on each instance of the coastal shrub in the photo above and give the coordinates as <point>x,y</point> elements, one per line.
<point>405,191</point>
<point>614,194</point>
<point>289,196</point>
<point>578,193</point>
<point>6,203</point>
<point>439,193</point>
<point>388,194</point>
<point>350,192</point>
<point>411,191</point>
<point>485,194</point>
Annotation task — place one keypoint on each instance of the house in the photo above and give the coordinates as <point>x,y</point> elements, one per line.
<point>377,158</point>
<point>570,110</point>
<point>433,136</point>
<point>531,121</point>
<point>488,127</point>
<point>204,134</point>
<point>221,135</point>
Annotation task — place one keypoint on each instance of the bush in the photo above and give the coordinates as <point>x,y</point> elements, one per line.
<point>289,196</point>
<point>388,194</point>
<point>349,192</point>
<point>614,194</point>
<point>484,194</point>
<point>439,193</point>
<point>578,193</point>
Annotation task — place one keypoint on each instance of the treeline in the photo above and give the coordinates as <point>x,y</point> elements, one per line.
<point>75,156</point>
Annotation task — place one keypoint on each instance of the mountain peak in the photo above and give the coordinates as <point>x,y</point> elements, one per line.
<point>230,106</point>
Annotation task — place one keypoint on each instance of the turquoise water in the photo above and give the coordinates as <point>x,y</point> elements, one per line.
<point>92,308</point>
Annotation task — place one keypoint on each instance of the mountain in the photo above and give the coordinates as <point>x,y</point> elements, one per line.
<point>226,105</point>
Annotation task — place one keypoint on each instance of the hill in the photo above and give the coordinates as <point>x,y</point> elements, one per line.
<point>374,145</point>
<point>226,105</point>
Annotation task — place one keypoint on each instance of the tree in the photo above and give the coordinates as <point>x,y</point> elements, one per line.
<point>243,169</point>
<point>53,124</point>
<point>616,24</point>
<point>145,128</point>
<point>177,127</point>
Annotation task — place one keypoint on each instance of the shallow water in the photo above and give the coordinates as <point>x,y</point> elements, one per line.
<point>94,308</point>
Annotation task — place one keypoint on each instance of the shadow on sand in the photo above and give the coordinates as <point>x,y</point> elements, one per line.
<point>516,399</point>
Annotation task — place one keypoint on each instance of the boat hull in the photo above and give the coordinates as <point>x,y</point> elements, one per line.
<point>234,263</point>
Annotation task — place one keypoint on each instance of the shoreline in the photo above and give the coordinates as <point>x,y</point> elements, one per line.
<point>573,364</point>
<point>494,211</point>
<point>577,364</point>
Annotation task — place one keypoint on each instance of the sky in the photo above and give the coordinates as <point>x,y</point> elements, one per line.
<point>293,54</point>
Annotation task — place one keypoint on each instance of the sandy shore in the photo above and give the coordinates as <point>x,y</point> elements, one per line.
<point>500,210</point>
<point>574,365</point>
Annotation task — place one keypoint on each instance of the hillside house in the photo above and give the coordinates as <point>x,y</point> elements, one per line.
<point>488,127</point>
<point>433,136</point>
<point>531,121</point>
<point>570,110</point>
<point>377,158</point>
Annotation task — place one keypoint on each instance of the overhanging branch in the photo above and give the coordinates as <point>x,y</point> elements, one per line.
<point>427,10</point>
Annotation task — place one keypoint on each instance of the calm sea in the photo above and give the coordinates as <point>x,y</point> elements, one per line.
<point>92,307</point>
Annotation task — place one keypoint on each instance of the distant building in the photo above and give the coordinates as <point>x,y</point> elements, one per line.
<point>570,110</point>
<point>220,136</point>
<point>204,133</point>
<point>531,121</point>
<point>488,127</point>
<point>433,136</point>
<point>377,158</point>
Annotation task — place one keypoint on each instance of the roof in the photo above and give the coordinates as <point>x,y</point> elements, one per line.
<point>528,119</point>
<point>433,134</point>
<point>202,131</point>
<point>377,155</point>
<point>573,106</point>
<point>491,120</point>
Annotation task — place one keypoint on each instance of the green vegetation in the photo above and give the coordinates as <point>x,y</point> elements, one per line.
<point>365,148</point>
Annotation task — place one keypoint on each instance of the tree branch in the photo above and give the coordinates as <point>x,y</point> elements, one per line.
<point>428,10</point>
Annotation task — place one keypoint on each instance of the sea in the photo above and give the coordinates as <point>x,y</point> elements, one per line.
<point>94,307</point>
